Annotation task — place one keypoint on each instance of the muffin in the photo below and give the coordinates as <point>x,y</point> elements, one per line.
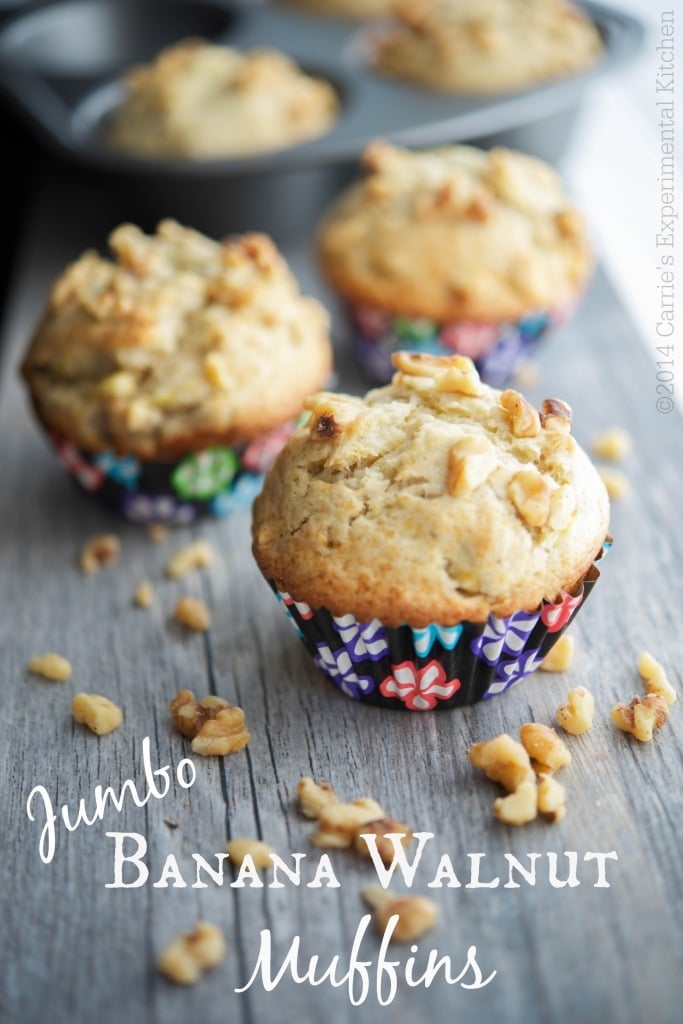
<point>356,9</point>
<point>431,541</point>
<point>488,45</point>
<point>197,100</point>
<point>454,250</point>
<point>167,377</point>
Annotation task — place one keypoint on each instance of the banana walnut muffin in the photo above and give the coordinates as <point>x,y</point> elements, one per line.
<point>198,100</point>
<point>486,45</point>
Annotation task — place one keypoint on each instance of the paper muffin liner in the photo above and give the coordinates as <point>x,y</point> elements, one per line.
<point>213,482</point>
<point>496,347</point>
<point>436,667</point>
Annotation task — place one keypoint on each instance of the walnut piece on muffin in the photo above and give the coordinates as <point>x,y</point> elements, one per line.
<point>487,46</point>
<point>198,100</point>
<point>365,521</point>
<point>118,360</point>
<point>453,234</point>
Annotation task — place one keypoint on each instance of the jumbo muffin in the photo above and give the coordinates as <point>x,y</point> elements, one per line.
<point>454,250</point>
<point>431,541</point>
<point>166,375</point>
<point>484,46</point>
<point>198,100</point>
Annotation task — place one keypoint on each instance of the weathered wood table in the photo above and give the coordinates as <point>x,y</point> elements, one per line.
<point>75,951</point>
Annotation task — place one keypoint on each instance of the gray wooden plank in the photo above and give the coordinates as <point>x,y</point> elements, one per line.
<point>79,952</point>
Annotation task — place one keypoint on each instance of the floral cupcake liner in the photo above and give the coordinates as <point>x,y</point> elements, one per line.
<point>495,346</point>
<point>213,482</point>
<point>437,667</point>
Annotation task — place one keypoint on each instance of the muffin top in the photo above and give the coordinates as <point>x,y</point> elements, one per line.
<point>176,343</point>
<point>435,499</point>
<point>200,100</point>
<point>455,233</point>
<point>357,9</point>
<point>488,45</point>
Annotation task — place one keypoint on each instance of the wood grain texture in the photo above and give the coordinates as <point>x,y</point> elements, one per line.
<point>74,951</point>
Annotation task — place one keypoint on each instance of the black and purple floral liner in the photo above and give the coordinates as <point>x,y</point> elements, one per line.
<point>438,666</point>
<point>213,482</point>
<point>495,347</point>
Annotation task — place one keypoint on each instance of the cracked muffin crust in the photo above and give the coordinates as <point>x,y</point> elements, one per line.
<point>455,233</point>
<point>198,100</point>
<point>429,501</point>
<point>487,46</point>
<point>175,344</point>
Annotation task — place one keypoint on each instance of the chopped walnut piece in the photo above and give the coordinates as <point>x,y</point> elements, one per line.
<point>338,823</point>
<point>461,378</point>
<point>50,666</point>
<point>98,552</point>
<point>330,415</point>
<point>99,713</point>
<point>518,807</point>
<point>213,725</point>
<point>193,613</point>
<point>522,418</point>
<point>184,959</point>
<point>559,657</point>
<point>616,483</point>
<point>556,415</point>
<point>655,677</point>
<point>314,796</point>
<point>576,715</point>
<point>471,461</point>
<point>144,595</point>
<point>256,849</point>
<point>642,716</point>
<point>416,914</point>
<point>551,798</point>
<point>381,828</point>
<point>503,760</point>
<point>157,532</point>
<point>545,747</point>
<point>216,371</point>
<point>530,493</point>
<point>613,444</point>
<point>197,555</point>
<point>562,507</point>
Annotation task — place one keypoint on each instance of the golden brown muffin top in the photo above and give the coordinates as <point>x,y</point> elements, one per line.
<point>175,343</point>
<point>455,233</point>
<point>199,100</point>
<point>486,45</point>
<point>435,499</point>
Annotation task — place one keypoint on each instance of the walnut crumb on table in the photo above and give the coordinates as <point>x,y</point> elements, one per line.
<point>616,483</point>
<point>655,678</point>
<point>185,959</point>
<point>157,532</point>
<point>560,655</point>
<point>99,713</point>
<point>338,823</point>
<point>99,552</point>
<point>612,444</point>
<point>144,595</point>
<point>192,613</point>
<point>198,555</point>
<point>416,914</point>
<point>50,666</point>
<point>642,716</point>
<point>213,725</point>
<point>313,796</point>
<point>242,847</point>
<point>575,716</point>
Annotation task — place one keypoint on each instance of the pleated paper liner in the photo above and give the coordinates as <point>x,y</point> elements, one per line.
<point>437,667</point>
<point>496,347</point>
<point>213,482</point>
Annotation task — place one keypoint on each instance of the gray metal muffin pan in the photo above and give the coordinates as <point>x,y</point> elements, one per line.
<point>59,65</point>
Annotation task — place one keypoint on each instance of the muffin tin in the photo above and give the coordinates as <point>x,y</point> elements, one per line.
<point>60,63</point>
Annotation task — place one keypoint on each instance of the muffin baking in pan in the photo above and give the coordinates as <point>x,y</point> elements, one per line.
<point>70,93</point>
